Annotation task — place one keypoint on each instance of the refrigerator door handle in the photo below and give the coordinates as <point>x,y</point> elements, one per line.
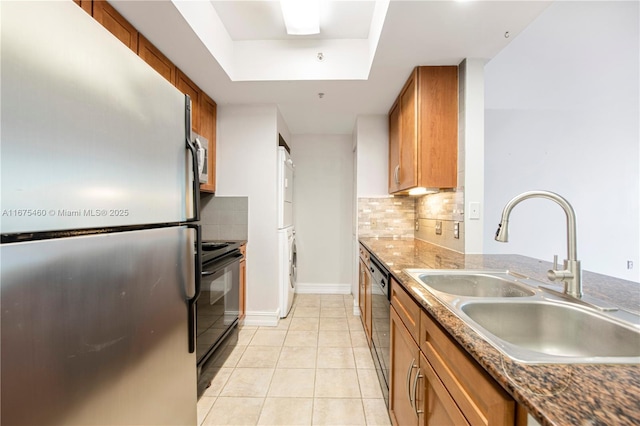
<point>191,303</point>
<point>194,159</point>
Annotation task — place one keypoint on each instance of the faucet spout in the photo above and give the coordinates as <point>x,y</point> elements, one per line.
<point>571,274</point>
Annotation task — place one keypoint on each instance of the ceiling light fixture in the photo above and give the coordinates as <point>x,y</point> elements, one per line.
<point>301,17</point>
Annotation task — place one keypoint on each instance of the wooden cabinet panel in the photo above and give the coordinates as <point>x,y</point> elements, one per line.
<point>208,112</point>
<point>188,87</point>
<point>86,5</point>
<point>438,118</point>
<point>408,171</point>
<point>365,299</point>
<point>406,308</point>
<point>242,309</point>
<point>405,359</point>
<point>482,401</point>
<point>394,148</point>
<point>156,60</point>
<point>438,408</point>
<point>109,18</point>
<point>423,131</point>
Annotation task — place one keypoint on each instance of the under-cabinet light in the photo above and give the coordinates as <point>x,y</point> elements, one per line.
<point>420,190</point>
<point>301,17</point>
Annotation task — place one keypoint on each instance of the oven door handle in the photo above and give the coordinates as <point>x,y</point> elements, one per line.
<point>191,303</point>
<point>228,260</point>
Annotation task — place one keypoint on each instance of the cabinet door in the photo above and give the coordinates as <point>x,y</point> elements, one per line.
<point>408,176</point>
<point>361,290</point>
<point>156,60</point>
<point>394,148</point>
<point>438,126</point>
<point>243,285</point>
<point>109,18</point>
<point>436,405</point>
<point>365,299</point>
<point>188,87</point>
<point>208,110</point>
<point>405,361</point>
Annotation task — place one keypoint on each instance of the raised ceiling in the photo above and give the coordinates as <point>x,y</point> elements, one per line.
<point>226,47</point>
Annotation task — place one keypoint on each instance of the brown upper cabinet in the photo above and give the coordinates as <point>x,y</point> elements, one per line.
<point>203,108</point>
<point>109,18</point>
<point>156,60</point>
<point>86,5</point>
<point>423,131</point>
<point>188,87</point>
<point>208,113</point>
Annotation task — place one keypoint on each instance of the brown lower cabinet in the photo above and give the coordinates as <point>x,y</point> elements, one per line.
<point>364,299</point>
<point>435,382</point>
<point>242,309</point>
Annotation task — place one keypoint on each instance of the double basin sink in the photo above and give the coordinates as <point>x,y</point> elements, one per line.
<point>529,324</point>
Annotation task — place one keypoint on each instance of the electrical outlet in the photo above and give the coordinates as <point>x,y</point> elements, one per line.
<point>438,227</point>
<point>456,230</point>
<point>629,264</point>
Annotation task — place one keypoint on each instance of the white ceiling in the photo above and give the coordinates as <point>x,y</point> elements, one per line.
<point>413,33</point>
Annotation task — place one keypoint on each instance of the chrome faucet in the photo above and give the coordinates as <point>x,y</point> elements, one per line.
<point>571,274</point>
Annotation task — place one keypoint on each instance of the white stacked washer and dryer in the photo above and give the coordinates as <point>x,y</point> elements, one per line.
<point>286,232</point>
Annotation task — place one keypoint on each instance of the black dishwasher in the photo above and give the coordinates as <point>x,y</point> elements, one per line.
<point>380,326</point>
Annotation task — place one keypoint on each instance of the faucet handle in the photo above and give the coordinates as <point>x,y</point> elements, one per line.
<point>555,262</point>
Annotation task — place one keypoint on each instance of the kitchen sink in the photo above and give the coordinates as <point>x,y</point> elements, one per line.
<point>529,323</point>
<point>472,283</point>
<point>546,331</point>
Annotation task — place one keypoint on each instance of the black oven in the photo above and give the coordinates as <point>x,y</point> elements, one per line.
<point>380,323</point>
<point>218,305</point>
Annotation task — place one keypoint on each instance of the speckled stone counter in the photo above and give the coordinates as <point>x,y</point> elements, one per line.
<point>559,394</point>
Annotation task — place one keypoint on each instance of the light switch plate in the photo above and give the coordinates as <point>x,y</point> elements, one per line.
<point>438,227</point>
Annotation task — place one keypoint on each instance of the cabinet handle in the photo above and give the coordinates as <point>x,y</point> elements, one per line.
<point>408,381</point>
<point>396,174</point>
<point>414,402</point>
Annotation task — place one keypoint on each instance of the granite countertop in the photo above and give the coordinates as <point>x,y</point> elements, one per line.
<point>558,394</point>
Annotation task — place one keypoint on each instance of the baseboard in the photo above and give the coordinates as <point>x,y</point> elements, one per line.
<point>356,308</point>
<point>262,319</point>
<point>320,288</point>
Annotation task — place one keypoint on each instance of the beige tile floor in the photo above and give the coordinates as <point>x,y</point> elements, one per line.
<point>315,368</point>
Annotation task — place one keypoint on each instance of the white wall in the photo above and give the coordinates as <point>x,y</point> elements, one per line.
<point>323,202</point>
<point>246,165</point>
<point>471,147</point>
<point>372,139</point>
<point>562,114</point>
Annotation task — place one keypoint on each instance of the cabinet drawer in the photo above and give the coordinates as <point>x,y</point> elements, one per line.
<point>364,254</point>
<point>407,308</point>
<point>479,397</point>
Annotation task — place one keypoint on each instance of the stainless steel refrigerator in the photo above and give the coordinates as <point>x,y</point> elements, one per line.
<point>99,258</point>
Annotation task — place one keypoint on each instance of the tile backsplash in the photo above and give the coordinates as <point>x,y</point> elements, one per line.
<point>224,218</point>
<point>397,216</point>
<point>386,217</point>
